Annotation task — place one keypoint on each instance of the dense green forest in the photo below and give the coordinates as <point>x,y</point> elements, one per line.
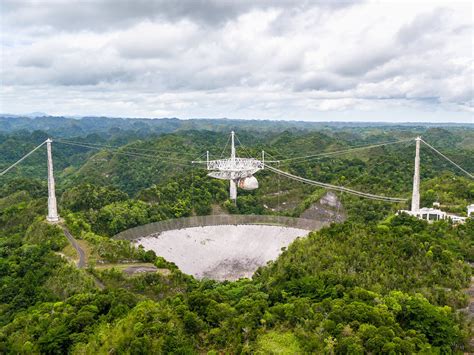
<point>377,283</point>
<point>140,127</point>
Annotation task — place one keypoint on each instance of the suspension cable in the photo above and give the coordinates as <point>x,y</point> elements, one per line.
<point>60,140</point>
<point>21,159</point>
<point>334,187</point>
<point>133,154</point>
<point>445,157</point>
<point>337,152</point>
<point>225,146</point>
<point>243,147</point>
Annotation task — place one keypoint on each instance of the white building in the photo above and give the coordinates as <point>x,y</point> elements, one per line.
<point>426,213</point>
<point>457,219</point>
<point>470,210</point>
<point>431,214</point>
<point>435,214</point>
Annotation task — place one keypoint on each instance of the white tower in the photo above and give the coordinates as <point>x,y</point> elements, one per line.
<point>52,207</point>
<point>415,198</point>
<point>233,185</point>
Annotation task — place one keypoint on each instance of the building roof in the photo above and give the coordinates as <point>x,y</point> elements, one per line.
<point>431,210</point>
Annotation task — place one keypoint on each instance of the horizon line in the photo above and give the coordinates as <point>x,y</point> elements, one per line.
<point>31,116</point>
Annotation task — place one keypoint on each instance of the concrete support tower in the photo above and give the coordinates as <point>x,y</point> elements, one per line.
<point>52,207</point>
<point>415,198</point>
<point>233,185</point>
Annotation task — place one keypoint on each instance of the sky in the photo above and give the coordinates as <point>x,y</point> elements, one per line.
<point>286,60</point>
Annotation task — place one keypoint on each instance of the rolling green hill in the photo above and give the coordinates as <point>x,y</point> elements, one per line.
<point>377,283</point>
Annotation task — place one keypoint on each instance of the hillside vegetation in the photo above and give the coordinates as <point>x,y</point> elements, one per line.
<point>377,283</point>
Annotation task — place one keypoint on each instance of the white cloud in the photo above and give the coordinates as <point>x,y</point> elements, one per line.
<point>239,59</point>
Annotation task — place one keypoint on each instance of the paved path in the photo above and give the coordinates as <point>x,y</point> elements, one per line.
<point>98,283</point>
<point>470,307</point>
<point>81,263</point>
<point>470,292</point>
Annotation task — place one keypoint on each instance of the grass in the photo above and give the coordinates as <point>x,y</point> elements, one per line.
<point>275,342</point>
<point>71,253</point>
<point>120,266</point>
<point>123,266</point>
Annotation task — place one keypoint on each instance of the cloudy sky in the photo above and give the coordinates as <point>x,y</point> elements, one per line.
<point>306,60</point>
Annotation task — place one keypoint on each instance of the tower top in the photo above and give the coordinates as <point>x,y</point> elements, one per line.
<point>49,140</point>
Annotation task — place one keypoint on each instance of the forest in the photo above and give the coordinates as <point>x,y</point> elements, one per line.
<point>376,283</point>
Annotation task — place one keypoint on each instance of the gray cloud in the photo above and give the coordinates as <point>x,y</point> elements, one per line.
<point>362,62</point>
<point>35,61</point>
<point>422,27</point>
<point>325,82</point>
<point>102,15</point>
<point>227,58</point>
